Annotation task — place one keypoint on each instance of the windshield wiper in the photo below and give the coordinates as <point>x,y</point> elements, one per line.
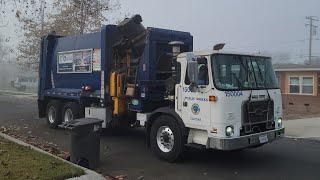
<point>260,73</point>
<point>254,74</point>
<point>264,79</point>
<point>245,68</point>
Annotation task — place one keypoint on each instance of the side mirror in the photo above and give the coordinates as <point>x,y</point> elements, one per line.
<point>193,74</point>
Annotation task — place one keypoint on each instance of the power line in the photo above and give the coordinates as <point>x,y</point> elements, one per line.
<point>312,32</point>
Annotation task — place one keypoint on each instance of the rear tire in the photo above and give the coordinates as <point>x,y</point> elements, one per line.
<point>166,139</point>
<point>70,111</point>
<point>53,112</point>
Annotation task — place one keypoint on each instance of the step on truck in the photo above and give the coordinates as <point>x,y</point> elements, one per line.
<point>129,75</point>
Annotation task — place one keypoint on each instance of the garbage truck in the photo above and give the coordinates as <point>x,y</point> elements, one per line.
<point>129,75</point>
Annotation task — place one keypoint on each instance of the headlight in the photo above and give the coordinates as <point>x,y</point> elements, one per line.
<point>279,121</point>
<point>229,131</point>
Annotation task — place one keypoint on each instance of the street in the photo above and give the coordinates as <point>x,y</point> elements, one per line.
<point>125,152</point>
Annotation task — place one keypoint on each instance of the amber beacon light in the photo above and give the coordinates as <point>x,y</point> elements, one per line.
<point>213,98</point>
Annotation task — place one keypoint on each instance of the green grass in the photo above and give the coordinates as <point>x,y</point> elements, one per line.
<point>20,162</point>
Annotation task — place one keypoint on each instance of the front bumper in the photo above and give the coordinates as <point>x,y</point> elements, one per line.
<point>244,141</point>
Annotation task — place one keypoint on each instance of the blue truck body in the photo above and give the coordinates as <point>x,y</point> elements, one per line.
<point>68,86</point>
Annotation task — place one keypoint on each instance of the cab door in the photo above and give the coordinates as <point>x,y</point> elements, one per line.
<point>193,103</point>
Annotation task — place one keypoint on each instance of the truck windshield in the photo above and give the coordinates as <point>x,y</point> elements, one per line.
<point>239,72</point>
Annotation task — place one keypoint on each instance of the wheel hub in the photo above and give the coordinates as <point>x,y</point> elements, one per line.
<point>68,116</point>
<point>165,139</point>
<point>52,115</point>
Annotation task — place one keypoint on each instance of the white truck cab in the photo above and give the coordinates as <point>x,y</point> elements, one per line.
<point>234,102</point>
<point>224,101</point>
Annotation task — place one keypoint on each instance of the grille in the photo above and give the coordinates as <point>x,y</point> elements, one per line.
<point>257,116</point>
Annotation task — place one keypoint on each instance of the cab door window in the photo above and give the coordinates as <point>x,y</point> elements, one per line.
<point>203,76</point>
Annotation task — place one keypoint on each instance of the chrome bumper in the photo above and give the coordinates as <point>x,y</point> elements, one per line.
<point>244,141</point>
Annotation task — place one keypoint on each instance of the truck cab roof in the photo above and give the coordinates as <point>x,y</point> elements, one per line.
<point>207,53</point>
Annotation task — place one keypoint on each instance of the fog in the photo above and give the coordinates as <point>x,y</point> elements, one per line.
<point>269,26</point>
<point>276,28</point>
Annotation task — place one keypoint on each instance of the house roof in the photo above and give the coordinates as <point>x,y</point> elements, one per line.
<point>297,67</point>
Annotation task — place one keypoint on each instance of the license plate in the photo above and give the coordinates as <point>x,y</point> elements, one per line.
<point>263,138</point>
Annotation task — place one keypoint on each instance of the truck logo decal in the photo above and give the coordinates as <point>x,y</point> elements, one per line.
<point>196,99</point>
<point>233,93</point>
<point>195,108</point>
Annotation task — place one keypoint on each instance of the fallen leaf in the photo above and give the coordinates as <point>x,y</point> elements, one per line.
<point>121,177</point>
<point>7,173</point>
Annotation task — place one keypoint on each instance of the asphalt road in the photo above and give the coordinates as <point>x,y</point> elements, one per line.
<point>125,153</point>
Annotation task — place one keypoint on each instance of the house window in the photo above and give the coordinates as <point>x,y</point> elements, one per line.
<point>294,85</point>
<point>301,85</point>
<point>307,85</point>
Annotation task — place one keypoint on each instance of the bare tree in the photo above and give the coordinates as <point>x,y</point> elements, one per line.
<point>3,50</point>
<point>32,15</point>
<point>65,17</point>
<point>82,16</point>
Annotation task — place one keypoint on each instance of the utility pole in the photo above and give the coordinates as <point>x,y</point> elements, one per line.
<point>312,32</point>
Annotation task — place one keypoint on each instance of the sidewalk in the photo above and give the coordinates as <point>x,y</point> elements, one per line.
<point>18,93</point>
<point>303,128</point>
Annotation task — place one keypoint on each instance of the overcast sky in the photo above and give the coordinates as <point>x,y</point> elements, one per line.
<point>244,25</point>
<point>272,26</point>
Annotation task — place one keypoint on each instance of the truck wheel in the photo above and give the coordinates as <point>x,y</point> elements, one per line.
<point>70,111</point>
<point>54,117</point>
<point>166,139</point>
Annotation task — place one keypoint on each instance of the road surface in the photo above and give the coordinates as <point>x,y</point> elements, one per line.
<point>125,152</point>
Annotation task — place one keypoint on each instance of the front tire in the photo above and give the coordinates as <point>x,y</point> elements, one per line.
<point>166,139</point>
<point>53,112</point>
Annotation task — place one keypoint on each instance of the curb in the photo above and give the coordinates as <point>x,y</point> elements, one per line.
<point>311,138</point>
<point>89,174</point>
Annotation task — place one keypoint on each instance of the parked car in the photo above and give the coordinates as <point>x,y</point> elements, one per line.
<point>23,83</point>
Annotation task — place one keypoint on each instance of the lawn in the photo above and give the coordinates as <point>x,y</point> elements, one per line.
<point>20,162</point>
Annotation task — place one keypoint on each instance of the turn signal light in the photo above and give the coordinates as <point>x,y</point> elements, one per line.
<point>86,88</point>
<point>213,98</point>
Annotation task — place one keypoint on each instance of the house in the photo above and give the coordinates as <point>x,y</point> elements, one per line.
<point>299,84</point>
